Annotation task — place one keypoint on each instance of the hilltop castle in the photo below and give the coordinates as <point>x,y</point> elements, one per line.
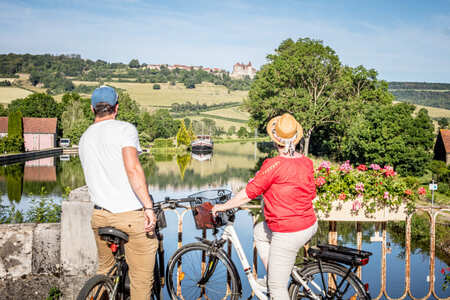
<point>240,70</point>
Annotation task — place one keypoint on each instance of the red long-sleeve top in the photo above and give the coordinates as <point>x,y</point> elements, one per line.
<point>287,185</point>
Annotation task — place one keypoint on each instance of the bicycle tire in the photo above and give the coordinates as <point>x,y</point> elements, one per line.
<point>91,287</point>
<point>223,283</point>
<point>157,291</point>
<point>311,273</point>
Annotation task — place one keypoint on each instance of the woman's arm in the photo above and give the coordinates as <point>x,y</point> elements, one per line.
<point>238,200</point>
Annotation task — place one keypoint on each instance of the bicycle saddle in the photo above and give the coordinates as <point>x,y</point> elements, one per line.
<point>112,232</point>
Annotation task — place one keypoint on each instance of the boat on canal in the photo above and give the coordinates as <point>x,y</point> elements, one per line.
<point>203,143</point>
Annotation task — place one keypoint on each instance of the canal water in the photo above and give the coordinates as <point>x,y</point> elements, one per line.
<point>24,186</point>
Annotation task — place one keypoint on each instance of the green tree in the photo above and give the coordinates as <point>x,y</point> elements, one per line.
<point>15,127</point>
<point>231,130</point>
<point>129,110</point>
<point>134,63</point>
<point>183,137</point>
<point>74,122</point>
<point>443,123</point>
<point>302,78</point>
<point>37,105</point>
<point>191,133</point>
<point>242,132</point>
<point>391,135</point>
<point>156,86</point>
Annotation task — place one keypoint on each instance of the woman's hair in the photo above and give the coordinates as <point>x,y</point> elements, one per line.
<point>103,109</point>
<point>291,150</point>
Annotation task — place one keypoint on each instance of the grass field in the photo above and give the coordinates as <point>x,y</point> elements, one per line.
<point>205,93</point>
<point>435,112</point>
<point>8,94</point>
<point>78,82</point>
<point>233,112</point>
<point>220,123</point>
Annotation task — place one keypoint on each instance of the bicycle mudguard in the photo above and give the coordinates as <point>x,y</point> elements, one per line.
<point>335,265</point>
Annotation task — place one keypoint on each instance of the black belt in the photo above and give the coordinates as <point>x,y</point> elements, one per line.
<point>101,208</point>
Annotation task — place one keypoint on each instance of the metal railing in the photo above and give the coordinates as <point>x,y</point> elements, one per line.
<point>433,213</point>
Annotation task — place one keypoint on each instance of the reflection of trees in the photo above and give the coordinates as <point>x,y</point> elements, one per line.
<point>183,162</point>
<point>148,164</point>
<point>71,173</point>
<point>266,147</point>
<point>192,179</point>
<point>420,236</point>
<point>14,181</point>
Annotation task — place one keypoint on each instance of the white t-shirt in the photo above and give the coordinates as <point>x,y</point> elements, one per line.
<point>100,150</point>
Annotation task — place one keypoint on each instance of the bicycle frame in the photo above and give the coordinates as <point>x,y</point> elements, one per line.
<point>230,234</point>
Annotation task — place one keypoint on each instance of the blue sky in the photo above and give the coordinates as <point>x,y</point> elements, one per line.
<point>402,40</point>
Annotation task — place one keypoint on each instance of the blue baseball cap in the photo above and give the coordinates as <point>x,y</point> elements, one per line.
<point>104,94</point>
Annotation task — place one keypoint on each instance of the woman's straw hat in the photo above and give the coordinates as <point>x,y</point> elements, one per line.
<point>283,128</point>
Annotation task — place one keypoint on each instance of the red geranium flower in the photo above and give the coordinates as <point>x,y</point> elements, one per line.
<point>362,167</point>
<point>342,196</point>
<point>422,191</point>
<point>320,181</point>
<point>408,192</point>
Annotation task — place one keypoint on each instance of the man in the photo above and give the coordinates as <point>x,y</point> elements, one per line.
<point>109,155</point>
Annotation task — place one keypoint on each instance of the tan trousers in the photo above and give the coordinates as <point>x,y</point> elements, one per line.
<point>139,251</point>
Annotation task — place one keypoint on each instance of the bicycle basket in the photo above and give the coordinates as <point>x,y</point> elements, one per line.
<point>202,203</point>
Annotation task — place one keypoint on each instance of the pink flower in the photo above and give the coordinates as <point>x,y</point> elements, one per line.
<point>389,171</point>
<point>359,187</point>
<point>320,181</point>
<point>375,167</point>
<point>342,196</point>
<point>422,191</point>
<point>386,195</point>
<point>325,165</point>
<point>356,205</point>
<point>346,167</point>
<point>362,167</point>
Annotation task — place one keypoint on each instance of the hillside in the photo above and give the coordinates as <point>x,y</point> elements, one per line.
<point>422,93</point>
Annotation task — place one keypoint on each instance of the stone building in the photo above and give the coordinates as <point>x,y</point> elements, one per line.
<point>240,70</point>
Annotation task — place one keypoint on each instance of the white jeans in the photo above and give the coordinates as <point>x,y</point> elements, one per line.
<point>279,250</point>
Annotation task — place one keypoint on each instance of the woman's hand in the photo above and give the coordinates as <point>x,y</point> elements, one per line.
<point>216,208</point>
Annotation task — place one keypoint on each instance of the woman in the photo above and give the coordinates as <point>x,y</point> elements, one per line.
<point>287,184</point>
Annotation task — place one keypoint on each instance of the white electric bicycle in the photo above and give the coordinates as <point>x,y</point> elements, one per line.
<point>203,270</point>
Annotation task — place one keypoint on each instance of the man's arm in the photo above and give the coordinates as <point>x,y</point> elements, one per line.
<point>136,177</point>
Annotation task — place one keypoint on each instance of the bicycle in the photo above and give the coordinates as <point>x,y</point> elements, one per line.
<point>116,283</point>
<point>203,270</point>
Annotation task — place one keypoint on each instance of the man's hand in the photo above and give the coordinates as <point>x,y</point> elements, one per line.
<point>150,220</point>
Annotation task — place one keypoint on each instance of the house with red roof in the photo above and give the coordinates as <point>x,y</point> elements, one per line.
<point>38,133</point>
<point>442,146</point>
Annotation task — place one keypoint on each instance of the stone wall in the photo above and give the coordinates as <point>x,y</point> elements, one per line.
<point>29,248</point>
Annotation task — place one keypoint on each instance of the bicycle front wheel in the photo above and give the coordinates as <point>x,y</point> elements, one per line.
<point>333,284</point>
<point>188,268</point>
<point>99,287</point>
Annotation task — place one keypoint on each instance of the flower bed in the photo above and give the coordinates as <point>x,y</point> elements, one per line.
<point>367,192</point>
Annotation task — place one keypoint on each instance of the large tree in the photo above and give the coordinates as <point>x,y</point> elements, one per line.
<point>391,135</point>
<point>37,105</point>
<point>303,78</point>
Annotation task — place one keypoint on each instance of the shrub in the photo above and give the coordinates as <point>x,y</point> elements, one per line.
<point>156,86</point>
<point>162,143</point>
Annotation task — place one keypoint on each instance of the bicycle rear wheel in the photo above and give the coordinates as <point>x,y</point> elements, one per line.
<point>188,266</point>
<point>99,287</point>
<point>332,287</point>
